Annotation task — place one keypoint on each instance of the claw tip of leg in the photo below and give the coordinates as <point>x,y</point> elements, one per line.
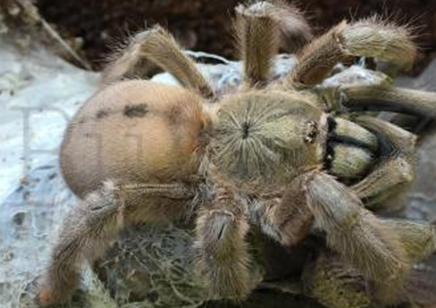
<point>45,297</point>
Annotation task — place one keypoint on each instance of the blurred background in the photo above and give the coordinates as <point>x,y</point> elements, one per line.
<point>93,26</point>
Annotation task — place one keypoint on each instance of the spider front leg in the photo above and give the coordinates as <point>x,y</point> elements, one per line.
<point>334,283</point>
<point>415,110</point>
<point>337,284</point>
<point>395,170</point>
<point>258,39</point>
<point>383,250</point>
<point>419,104</point>
<point>367,38</point>
<point>90,226</point>
<point>221,250</point>
<point>154,48</point>
<point>287,220</point>
<point>260,27</point>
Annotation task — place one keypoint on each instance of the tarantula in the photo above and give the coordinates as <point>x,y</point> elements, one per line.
<point>286,156</point>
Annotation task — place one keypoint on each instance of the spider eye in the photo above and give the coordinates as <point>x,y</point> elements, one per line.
<point>312,132</point>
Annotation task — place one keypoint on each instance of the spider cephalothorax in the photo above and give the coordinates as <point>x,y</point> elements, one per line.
<point>286,156</point>
<point>265,138</point>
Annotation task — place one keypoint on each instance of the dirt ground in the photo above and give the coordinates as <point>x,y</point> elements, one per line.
<point>205,25</point>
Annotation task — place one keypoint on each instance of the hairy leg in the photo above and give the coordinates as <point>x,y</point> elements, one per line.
<point>156,48</point>
<point>88,229</point>
<point>381,249</point>
<point>260,29</point>
<point>415,110</point>
<point>384,98</point>
<point>294,29</point>
<point>287,220</point>
<point>258,39</point>
<point>334,283</point>
<point>422,127</point>
<point>395,170</point>
<point>222,252</point>
<point>368,38</point>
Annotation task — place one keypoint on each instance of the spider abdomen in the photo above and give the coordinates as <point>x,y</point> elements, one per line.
<point>133,131</point>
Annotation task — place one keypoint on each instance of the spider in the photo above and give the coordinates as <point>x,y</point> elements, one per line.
<point>288,156</point>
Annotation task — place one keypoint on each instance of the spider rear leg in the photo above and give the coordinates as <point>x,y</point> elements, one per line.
<point>129,61</point>
<point>368,38</point>
<point>86,231</point>
<point>395,170</point>
<point>222,252</point>
<point>90,226</point>
<point>154,48</point>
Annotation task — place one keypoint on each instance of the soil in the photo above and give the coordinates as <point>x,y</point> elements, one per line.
<point>205,25</point>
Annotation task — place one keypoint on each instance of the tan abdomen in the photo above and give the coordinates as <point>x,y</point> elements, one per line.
<point>133,131</point>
